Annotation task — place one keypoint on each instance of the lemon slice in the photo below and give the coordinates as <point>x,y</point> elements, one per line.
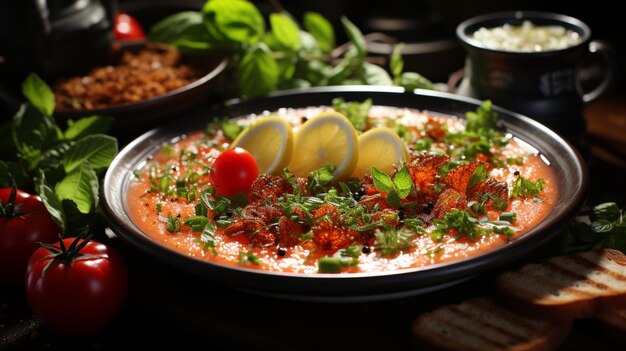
<point>381,148</point>
<point>327,138</point>
<point>270,141</point>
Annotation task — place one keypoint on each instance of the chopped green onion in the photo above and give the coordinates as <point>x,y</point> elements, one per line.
<point>508,216</point>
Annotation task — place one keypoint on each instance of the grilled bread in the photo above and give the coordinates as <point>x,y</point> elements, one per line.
<point>484,324</point>
<point>573,286</point>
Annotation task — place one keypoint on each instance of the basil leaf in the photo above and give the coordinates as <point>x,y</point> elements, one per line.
<point>39,94</point>
<point>237,21</point>
<point>10,172</point>
<point>602,226</point>
<point>321,29</point>
<point>297,83</point>
<point>285,31</point>
<point>382,181</point>
<point>403,182</point>
<point>396,63</point>
<point>308,45</point>
<point>287,69</point>
<point>412,81</point>
<point>608,211</point>
<point>75,221</point>
<point>355,36</point>
<point>81,187</point>
<point>33,132</point>
<point>52,203</point>
<point>52,162</point>
<point>338,74</point>
<point>87,126</point>
<point>99,150</point>
<point>314,71</point>
<point>393,199</point>
<point>258,72</point>
<point>375,75</point>
<point>184,30</point>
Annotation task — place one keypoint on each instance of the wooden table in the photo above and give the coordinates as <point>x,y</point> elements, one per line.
<point>171,309</point>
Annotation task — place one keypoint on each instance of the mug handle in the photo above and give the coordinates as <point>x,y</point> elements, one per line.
<point>607,53</point>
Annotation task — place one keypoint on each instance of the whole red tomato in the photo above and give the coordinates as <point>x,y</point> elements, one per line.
<point>234,171</point>
<point>24,221</point>
<point>76,287</point>
<point>126,27</point>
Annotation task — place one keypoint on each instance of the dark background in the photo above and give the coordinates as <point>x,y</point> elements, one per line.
<point>418,22</point>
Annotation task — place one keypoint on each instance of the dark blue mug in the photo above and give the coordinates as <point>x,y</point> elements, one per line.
<point>545,85</point>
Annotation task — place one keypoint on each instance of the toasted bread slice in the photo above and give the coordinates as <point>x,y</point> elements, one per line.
<point>577,285</point>
<point>484,324</point>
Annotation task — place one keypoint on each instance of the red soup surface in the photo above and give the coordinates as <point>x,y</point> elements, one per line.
<point>471,191</point>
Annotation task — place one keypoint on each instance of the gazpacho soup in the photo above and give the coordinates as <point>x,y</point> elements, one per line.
<point>352,187</point>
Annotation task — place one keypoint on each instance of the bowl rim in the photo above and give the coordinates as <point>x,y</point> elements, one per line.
<point>493,19</point>
<point>348,284</point>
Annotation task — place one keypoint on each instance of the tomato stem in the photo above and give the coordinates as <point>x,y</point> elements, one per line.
<point>68,254</point>
<point>9,209</point>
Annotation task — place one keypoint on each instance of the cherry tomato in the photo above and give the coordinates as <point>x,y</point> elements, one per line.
<point>24,221</point>
<point>126,27</point>
<point>234,171</point>
<point>78,287</point>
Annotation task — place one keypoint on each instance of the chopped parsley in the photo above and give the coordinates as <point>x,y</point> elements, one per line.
<point>390,241</point>
<point>357,112</point>
<point>524,187</point>
<point>248,258</point>
<point>173,223</point>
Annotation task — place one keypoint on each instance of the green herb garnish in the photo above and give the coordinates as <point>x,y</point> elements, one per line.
<point>484,118</point>
<point>173,223</point>
<point>524,187</point>
<point>397,189</point>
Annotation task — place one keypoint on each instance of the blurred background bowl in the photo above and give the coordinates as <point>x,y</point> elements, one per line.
<point>131,119</point>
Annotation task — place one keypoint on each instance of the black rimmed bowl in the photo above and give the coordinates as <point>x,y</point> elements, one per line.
<point>138,117</point>
<point>569,168</point>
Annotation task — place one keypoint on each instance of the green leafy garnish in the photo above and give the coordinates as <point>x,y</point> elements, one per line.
<point>321,178</point>
<point>197,223</point>
<point>390,241</point>
<point>524,187</point>
<point>397,189</point>
<point>357,112</point>
<point>484,118</point>
<point>462,221</point>
<point>348,257</point>
<point>248,258</point>
<point>231,129</point>
<point>478,176</point>
<point>173,223</point>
